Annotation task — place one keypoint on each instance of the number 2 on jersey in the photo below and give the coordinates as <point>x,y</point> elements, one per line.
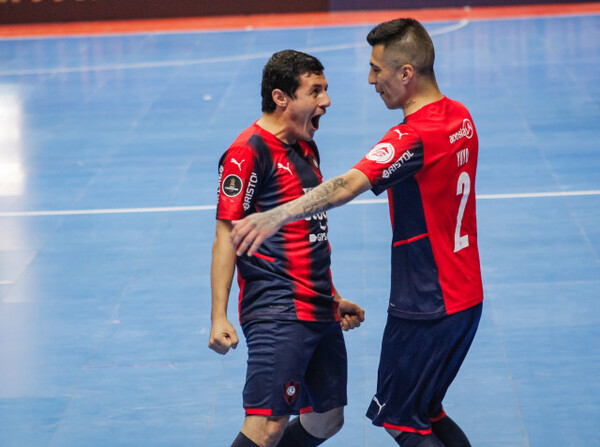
<point>463,187</point>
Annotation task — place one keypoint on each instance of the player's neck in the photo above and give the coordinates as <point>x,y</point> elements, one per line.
<point>425,95</point>
<point>276,125</point>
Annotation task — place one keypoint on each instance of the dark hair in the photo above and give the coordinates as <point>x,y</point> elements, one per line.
<point>283,71</point>
<point>407,42</point>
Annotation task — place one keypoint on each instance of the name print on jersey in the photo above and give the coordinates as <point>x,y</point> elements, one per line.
<point>462,157</point>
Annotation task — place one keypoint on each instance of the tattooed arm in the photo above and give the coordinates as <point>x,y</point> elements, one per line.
<point>250,232</point>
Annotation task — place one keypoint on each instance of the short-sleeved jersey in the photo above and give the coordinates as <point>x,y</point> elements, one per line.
<point>289,276</point>
<point>427,164</point>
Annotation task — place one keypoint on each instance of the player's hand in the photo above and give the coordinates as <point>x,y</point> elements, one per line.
<point>250,232</point>
<point>223,337</point>
<point>351,314</point>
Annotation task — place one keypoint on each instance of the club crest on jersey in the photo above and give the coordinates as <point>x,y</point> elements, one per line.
<point>290,392</point>
<point>382,153</point>
<point>232,185</point>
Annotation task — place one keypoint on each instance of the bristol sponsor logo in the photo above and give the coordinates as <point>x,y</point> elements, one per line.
<point>381,153</point>
<point>467,130</point>
<point>398,164</point>
<point>250,191</point>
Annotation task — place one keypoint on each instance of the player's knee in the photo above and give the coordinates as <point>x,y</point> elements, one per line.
<point>324,425</point>
<point>336,423</point>
<point>265,431</point>
<point>273,431</point>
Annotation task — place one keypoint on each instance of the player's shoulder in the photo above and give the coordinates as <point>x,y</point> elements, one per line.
<point>458,107</point>
<point>246,137</point>
<point>400,131</point>
<point>237,152</point>
<point>400,136</point>
<point>245,144</point>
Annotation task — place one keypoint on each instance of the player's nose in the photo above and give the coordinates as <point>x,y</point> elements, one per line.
<point>325,100</point>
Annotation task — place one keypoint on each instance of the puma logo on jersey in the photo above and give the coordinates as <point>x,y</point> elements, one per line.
<point>378,404</point>
<point>287,168</point>
<point>238,163</point>
<point>400,134</point>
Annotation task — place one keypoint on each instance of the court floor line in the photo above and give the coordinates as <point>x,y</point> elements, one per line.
<point>173,209</point>
<point>210,60</point>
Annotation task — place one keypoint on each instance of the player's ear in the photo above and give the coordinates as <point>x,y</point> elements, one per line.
<point>280,98</point>
<point>406,73</point>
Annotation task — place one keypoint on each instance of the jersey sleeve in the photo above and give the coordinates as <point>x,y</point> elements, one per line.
<point>396,157</point>
<point>239,179</point>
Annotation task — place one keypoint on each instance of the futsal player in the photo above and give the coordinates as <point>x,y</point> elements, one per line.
<point>427,164</point>
<point>290,313</point>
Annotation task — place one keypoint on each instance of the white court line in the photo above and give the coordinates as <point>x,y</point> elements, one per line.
<point>174,209</point>
<point>209,60</point>
<point>166,209</point>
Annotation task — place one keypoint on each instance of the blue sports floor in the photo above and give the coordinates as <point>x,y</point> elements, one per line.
<point>108,175</point>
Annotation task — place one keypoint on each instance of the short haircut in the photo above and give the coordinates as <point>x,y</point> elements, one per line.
<point>283,71</point>
<point>405,41</point>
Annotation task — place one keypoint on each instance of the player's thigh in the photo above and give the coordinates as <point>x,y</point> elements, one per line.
<point>279,352</point>
<point>327,372</point>
<point>419,360</point>
<point>462,328</point>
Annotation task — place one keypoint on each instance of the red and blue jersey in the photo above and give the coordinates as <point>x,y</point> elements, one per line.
<point>289,276</point>
<point>427,164</point>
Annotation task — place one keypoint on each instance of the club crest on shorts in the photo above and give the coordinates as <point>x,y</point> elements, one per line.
<point>290,392</point>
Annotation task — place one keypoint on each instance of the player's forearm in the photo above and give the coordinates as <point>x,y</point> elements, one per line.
<point>221,281</point>
<point>221,271</point>
<point>329,194</point>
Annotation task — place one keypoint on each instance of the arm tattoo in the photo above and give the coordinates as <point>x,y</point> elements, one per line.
<point>314,202</point>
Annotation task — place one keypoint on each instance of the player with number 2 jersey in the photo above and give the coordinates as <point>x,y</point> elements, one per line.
<point>427,165</point>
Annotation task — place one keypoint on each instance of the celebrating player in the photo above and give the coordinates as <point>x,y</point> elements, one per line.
<point>291,315</point>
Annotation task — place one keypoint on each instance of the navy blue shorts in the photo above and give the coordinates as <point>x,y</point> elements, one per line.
<point>419,360</point>
<point>294,367</point>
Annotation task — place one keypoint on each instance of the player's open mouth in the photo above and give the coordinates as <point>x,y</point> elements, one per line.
<point>315,121</point>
